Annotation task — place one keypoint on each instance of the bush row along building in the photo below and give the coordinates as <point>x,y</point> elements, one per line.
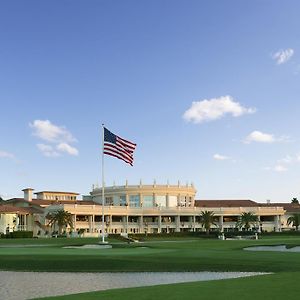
<point>137,209</point>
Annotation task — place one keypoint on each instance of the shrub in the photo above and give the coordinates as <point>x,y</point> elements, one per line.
<point>235,233</point>
<point>199,234</point>
<point>19,235</point>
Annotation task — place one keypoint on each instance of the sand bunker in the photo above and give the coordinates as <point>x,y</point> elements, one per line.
<point>278,248</point>
<point>95,246</point>
<point>29,285</point>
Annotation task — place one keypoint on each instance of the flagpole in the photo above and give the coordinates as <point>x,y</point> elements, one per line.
<point>103,241</point>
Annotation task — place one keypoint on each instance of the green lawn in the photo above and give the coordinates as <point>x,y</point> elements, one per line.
<point>184,254</point>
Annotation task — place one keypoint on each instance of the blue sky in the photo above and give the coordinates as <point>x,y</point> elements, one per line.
<point>138,66</point>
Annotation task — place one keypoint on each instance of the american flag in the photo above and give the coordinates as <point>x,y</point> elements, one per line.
<point>118,147</point>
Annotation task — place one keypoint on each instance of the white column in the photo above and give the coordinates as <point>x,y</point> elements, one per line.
<point>276,221</point>
<point>141,224</point>
<point>159,224</point>
<point>93,223</point>
<point>221,224</point>
<point>90,224</point>
<point>194,223</point>
<point>177,220</point>
<point>74,223</point>
<point>191,223</point>
<point>258,220</point>
<point>126,224</point>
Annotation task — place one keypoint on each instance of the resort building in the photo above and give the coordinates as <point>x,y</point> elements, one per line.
<point>137,209</point>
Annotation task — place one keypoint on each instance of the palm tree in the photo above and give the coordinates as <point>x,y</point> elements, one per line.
<point>207,219</point>
<point>62,218</point>
<point>295,201</point>
<point>294,220</point>
<point>247,219</point>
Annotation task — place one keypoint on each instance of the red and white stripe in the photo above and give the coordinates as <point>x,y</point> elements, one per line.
<point>123,150</point>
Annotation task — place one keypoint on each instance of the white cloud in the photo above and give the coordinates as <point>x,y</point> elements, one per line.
<point>280,168</point>
<point>282,56</point>
<point>215,108</point>
<point>4,154</point>
<point>47,150</point>
<point>58,137</point>
<point>220,157</point>
<point>49,132</point>
<point>64,147</point>
<point>260,137</point>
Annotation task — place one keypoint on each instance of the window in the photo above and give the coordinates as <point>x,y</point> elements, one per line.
<point>134,200</point>
<point>172,201</point>
<point>108,200</point>
<point>161,201</point>
<point>119,200</point>
<point>183,201</point>
<point>116,200</point>
<point>148,201</point>
<point>123,200</point>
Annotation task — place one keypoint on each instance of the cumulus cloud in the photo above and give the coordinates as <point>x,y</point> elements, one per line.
<point>4,154</point>
<point>282,56</point>
<point>58,138</point>
<point>215,108</point>
<point>49,132</point>
<point>64,147</point>
<point>220,157</point>
<point>260,137</point>
<point>47,150</point>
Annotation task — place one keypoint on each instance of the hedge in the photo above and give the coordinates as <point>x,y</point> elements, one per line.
<point>19,234</point>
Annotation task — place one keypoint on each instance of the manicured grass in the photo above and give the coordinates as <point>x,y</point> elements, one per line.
<point>266,287</point>
<point>181,254</point>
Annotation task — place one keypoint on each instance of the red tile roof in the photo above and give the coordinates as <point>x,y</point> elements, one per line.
<point>18,210</point>
<point>225,203</point>
<point>43,202</point>
<point>289,207</point>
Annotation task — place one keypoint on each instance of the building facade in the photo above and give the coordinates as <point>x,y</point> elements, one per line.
<point>142,209</point>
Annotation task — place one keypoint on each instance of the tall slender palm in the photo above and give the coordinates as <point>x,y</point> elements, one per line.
<point>247,219</point>
<point>295,201</point>
<point>294,220</point>
<point>207,219</point>
<point>60,217</point>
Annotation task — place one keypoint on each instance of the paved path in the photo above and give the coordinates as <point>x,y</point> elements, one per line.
<point>29,285</point>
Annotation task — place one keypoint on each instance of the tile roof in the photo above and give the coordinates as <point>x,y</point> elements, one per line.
<point>226,203</point>
<point>43,202</point>
<point>289,207</point>
<point>19,210</point>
